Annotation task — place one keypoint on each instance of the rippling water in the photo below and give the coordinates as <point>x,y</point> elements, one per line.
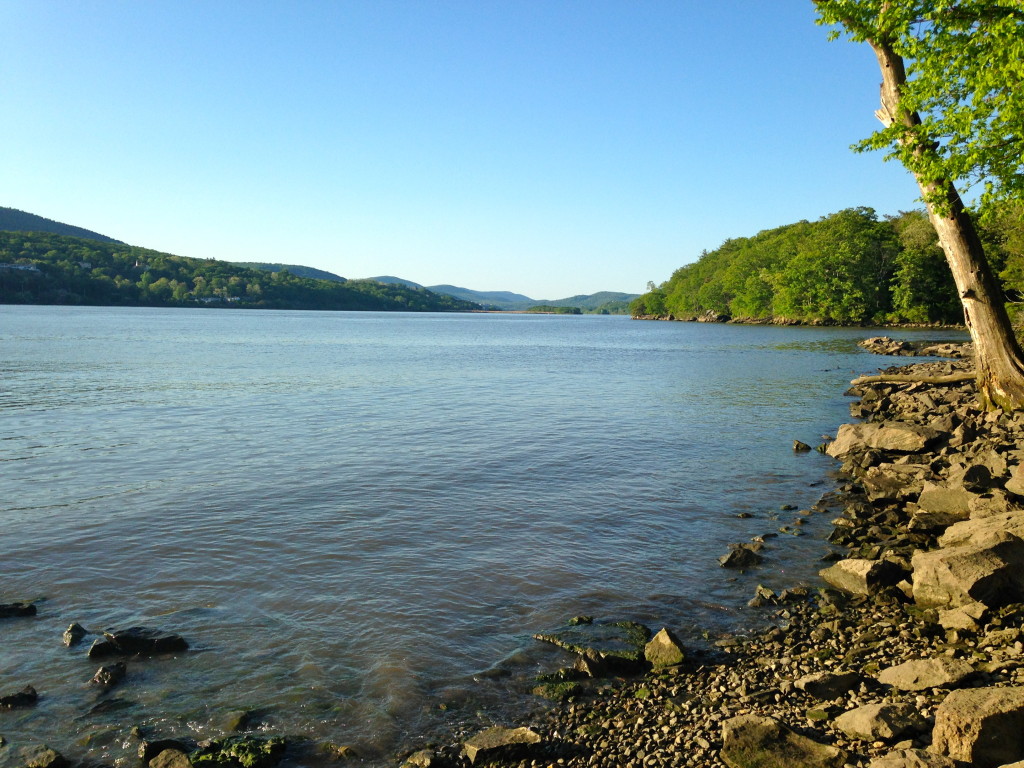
<point>358,519</point>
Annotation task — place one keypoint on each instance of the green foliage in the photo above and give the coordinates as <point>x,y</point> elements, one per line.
<point>847,268</point>
<point>44,268</point>
<point>547,309</point>
<point>965,81</point>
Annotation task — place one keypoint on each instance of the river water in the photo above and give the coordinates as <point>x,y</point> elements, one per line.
<point>358,520</point>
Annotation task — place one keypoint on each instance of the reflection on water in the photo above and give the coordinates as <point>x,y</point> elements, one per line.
<point>358,520</point>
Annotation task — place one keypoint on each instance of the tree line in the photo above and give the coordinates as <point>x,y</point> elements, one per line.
<point>46,268</point>
<point>850,268</point>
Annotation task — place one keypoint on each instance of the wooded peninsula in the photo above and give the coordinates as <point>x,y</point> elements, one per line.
<point>848,268</point>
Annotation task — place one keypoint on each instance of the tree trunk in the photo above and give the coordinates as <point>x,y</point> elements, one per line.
<point>998,359</point>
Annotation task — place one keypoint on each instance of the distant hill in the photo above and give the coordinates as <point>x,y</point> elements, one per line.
<point>47,268</point>
<point>295,269</point>
<point>391,280</point>
<point>13,220</point>
<point>495,299</point>
<point>606,302</point>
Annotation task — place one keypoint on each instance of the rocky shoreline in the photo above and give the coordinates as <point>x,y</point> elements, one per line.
<point>909,654</point>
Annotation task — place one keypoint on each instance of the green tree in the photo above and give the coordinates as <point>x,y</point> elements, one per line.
<point>953,114</point>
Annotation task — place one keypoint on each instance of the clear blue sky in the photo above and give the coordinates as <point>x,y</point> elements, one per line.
<point>547,147</point>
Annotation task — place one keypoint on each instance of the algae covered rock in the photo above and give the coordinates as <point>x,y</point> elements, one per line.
<point>616,643</point>
<point>240,752</point>
<point>44,757</point>
<point>752,741</point>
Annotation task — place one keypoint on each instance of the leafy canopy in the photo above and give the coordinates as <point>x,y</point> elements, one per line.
<point>964,95</point>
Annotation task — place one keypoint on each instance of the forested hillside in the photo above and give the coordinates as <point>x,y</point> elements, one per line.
<point>43,268</point>
<point>850,267</point>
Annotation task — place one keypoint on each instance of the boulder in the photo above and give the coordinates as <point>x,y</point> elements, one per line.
<point>880,722</point>
<point>857,576</point>
<point>883,345</point>
<point>499,742</point>
<point>752,740</point>
<point>740,557</point>
<point>886,436</point>
<point>150,749</point>
<point>1015,483</point>
<point>991,572</point>
<point>828,685</point>
<point>26,697</point>
<point>424,758</point>
<point>982,530</point>
<point>943,504</point>
<point>136,641</point>
<point>664,650</point>
<point>171,758</point>
<point>982,726</point>
<point>913,758</point>
<point>922,674</point>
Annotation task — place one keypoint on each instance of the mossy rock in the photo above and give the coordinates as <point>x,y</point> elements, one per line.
<point>240,751</point>
<point>615,642</point>
<point>557,691</point>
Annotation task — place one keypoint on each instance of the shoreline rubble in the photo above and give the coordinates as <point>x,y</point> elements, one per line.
<point>910,654</point>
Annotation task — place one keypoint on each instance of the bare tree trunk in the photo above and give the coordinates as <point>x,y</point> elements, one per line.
<point>999,361</point>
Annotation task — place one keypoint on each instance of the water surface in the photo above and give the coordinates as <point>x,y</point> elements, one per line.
<point>359,519</point>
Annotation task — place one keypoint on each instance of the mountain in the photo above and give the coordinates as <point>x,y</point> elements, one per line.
<point>606,302</point>
<point>596,301</point>
<point>295,269</point>
<point>13,220</point>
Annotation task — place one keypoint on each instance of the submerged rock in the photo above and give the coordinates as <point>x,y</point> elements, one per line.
<point>17,610</point>
<point>618,643</point>
<point>26,697</point>
<point>136,641</point>
<point>110,675</point>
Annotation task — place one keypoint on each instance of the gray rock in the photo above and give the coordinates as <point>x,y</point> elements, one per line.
<point>944,504</point>
<point>424,758</point>
<point>752,740</point>
<point>982,726</point>
<point>991,572</point>
<point>863,577</point>
<point>1015,483</point>
<point>829,685</point>
<point>880,722</point>
<point>499,742</point>
<point>983,530</point>
<point>664,650</point>
<point>922,674</point>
